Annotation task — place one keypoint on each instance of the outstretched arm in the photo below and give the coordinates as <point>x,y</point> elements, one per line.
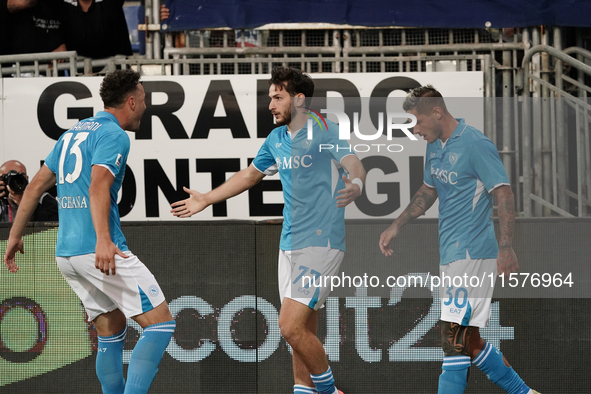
<point>42,181</point>
<point>420,203</point>
<point>506,259</point>
<point>197,202</point>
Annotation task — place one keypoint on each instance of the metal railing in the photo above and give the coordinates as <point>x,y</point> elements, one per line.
<point>37,64</point>
<point>552,119</point>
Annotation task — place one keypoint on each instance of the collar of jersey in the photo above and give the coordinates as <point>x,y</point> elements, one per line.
<point>287,135</point>
<point>105,114</point>
<point>457,132</point>
<point>459,128</point>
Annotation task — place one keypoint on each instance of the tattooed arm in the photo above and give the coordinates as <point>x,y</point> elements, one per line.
<point>420,203</point>
<point>506,259</point>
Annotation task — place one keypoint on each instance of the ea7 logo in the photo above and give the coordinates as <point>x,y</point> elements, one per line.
<point>345,125</point>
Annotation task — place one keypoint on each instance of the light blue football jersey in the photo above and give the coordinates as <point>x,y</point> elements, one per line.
<point>465,170</point>
<point>94,141</point>
<point>311,174</point>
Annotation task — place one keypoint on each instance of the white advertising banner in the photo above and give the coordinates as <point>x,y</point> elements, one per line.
<point>200,130</point>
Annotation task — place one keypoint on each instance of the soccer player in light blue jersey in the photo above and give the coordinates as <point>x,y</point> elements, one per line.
<point>88,162</point>
<point>464,171</point>
<point>315,190</point>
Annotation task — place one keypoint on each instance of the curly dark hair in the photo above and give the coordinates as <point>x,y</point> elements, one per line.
<point>294,81</point>
<point>117,86</point>
<point>424,99</point>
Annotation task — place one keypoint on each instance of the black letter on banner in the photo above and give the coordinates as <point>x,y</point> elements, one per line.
<point>46,106</point>
<point>417,171</point>
<point>391,189</point>
<point>379,98</point>
<point>346,88</point>
<point>233,119</point>
<point>265,121</point>
<point>255,198</point>
<point>155,177</point>
<point>218,169</point>
<point>128,193</point>
<point>172,124</point>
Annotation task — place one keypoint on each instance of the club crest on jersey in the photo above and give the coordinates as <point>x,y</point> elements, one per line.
<point>453,157</point>
<point>278,145</point>
<point>306,144</point>
<point>118,161</point>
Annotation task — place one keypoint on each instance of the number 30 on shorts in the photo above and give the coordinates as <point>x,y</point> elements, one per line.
<point>461,293</point>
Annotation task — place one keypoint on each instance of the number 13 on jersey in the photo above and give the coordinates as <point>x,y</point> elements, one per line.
<point>74,150</point>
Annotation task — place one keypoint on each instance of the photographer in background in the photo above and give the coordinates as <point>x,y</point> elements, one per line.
<point>13,181</point>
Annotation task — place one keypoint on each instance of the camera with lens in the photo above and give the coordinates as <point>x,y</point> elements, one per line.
<point>17,181</point>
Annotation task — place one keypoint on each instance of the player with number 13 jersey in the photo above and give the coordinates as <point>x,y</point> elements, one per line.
<point>94,141</point>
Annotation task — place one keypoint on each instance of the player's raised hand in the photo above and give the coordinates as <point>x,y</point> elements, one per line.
<point>12,246</point>
<point>507,261</point>
<point>385,239</point>
<point>348,194</point>
<point>189,207</point>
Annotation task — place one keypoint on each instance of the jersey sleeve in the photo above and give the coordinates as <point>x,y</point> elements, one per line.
<point>111,151</point>
<point>427,178</point>
<point>264,160</point>
<point>52,160</point>
<point>487,165</point>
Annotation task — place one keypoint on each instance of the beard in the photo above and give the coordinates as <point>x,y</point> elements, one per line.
<point>285,118</point>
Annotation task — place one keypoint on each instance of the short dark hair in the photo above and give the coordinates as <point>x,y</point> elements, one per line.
<point>117,86</point>
<point>423,99</point>
<point>295,81</point>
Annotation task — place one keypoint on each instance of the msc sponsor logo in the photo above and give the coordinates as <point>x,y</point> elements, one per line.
<point>444,176</point>
<point>287,163</point>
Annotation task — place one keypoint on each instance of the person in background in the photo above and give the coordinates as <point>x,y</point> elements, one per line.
<point>96,29</point>
<point>4,29</point>
<point>14,173</point>
<point>35,26</point>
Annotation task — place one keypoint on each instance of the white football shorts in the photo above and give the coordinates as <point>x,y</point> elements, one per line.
<point>466,290</point>
<point>302,274</point>
<point>133,289</point>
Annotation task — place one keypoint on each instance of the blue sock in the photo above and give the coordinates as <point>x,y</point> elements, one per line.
<point>146,356</point>
<point>301,389</point>
<point>324,382</point>
<point>490,361</point>
<point>454,377</point>
<point>109,362</point>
